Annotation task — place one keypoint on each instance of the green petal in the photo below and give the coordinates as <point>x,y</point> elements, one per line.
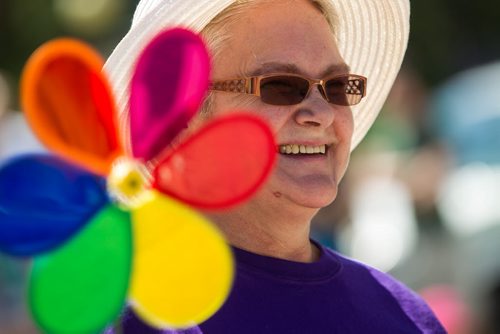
<point>81,287</point>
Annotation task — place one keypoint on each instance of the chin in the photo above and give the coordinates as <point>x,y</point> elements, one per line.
<point>313,201</point>
<point>314,195</point>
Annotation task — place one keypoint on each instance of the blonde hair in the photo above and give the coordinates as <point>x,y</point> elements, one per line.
<point>216,33</point>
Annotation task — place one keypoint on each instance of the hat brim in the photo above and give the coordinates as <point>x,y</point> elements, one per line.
<point>372,38</point>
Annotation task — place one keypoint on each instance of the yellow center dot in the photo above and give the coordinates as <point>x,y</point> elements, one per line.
<point>128,183</point>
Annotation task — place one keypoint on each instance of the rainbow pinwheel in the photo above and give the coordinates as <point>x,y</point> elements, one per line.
<point>107,227</point>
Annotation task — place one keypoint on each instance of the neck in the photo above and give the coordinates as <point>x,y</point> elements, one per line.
<point>269,230</point>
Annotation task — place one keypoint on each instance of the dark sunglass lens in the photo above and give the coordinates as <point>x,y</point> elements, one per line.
<point>283,90</point>
<point>345,91</point>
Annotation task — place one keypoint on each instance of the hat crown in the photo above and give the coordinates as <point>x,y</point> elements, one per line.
<point>372,37</point>
<point>144,8</point>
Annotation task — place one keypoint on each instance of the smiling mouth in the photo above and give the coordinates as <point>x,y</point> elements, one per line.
<point>295,149</point>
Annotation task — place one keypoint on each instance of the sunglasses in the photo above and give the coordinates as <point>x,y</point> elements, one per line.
<point>290,89</point>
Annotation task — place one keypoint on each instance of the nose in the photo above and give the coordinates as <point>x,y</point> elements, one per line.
<point>314,110</point>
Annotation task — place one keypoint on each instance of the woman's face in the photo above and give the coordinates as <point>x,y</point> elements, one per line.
<point>291,36</point>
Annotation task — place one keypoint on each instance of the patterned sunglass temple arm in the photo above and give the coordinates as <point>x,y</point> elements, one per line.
<point>245,85</point>
<point>359,88</point>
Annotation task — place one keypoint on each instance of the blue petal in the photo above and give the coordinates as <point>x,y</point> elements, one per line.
<point>43,201</point>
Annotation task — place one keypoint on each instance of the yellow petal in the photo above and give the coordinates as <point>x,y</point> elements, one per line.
<point>182,267</point>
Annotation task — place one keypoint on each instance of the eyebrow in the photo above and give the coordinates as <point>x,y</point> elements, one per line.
<point>270,67</point>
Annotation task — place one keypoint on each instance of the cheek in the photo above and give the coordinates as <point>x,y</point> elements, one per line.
<point>344,125</point>
<point>226,103</point>
<point>274,116</point>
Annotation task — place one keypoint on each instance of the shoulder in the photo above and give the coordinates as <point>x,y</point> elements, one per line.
<point>353,269</point>
<point>409,301</point>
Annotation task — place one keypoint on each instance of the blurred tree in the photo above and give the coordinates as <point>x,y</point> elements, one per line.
<point>448,36</point>
<point>26,24</point>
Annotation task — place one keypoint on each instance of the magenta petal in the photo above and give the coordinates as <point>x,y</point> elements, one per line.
<point>169,84</point>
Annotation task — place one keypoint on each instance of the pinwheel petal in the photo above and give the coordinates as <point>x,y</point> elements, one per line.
<point>43,201</point>
<point>68,103</point>
<point>82,286</point>
<point>168,86</point>
<point>221,165</point>
<point>183,268</point>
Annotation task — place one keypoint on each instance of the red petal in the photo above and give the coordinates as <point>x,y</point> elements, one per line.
<point>221,165</point>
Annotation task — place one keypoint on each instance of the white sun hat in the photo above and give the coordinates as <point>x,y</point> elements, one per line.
<point>372,36</point>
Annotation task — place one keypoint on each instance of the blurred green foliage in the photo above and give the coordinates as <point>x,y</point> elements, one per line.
<point>448,36</point>
<point>26,24</point>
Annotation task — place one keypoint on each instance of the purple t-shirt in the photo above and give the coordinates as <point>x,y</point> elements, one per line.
<point>332,295</point>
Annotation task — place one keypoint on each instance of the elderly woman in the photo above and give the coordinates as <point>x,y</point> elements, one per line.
<point>310,60</point>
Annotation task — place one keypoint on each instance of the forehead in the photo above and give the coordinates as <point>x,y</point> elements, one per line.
<point>291,34</point>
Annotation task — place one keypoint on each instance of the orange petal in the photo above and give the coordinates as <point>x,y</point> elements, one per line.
<point>69,105</point>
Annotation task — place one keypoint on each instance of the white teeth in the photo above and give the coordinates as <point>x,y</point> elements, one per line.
<point>302,149</point>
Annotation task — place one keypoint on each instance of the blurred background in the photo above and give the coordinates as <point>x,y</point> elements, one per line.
<point>421,199</point>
